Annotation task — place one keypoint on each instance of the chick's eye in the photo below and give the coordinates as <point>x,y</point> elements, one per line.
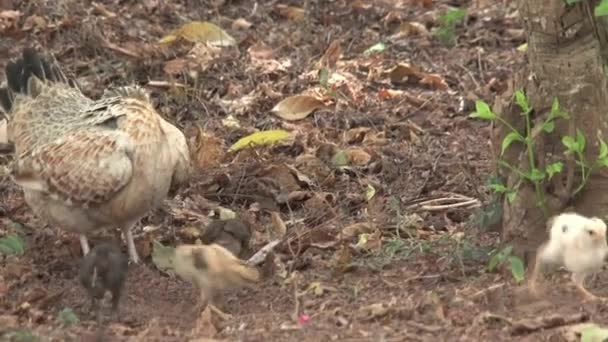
<point>590,232</point>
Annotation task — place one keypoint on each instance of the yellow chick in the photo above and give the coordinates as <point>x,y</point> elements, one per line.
<point>212,268</point>
<point>577,243</point>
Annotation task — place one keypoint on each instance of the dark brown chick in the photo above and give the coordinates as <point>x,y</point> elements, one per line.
<point>103,269</point>
<point>232,234</point>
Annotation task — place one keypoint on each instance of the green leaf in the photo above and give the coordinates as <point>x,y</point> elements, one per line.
<point>570,2</point>
<point>324,77</point>
<point>12,244</point>
<point>549,126</point>
<point>570,144</point>
<point>482,111</point>
<point>20,335</point>
<point>510,138</point>
<point>376,48</point>
<point>67,317</point>
<point>603,149</point>
<point>494,261</point>
<point>554,109</point>
<point>517,268</point>
<point>453,17</point>
<point>499,258</point>
<point>370,192</point>
<point>593,333</point>
<point>601,9</point>
<point>522,102</point>
<point>340,158</point>
<point>536,175</point>
<point>523,47</point>
<point>554,168</point>
<point>580,140</point>
<point>498,188</point>
<point>511,196</point>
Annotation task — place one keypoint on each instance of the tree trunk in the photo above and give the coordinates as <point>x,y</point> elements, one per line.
<point>567,53</point>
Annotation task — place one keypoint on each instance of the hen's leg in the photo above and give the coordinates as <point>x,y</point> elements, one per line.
<point>131,244</point>
<point>84,244</point>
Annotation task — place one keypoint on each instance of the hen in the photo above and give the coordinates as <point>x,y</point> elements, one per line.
<point>88,164</point>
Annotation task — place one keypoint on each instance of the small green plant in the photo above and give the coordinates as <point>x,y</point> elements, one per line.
<point>601,9</point>
<point>19,336</point>
<point>67,317</point>
<point>12,243</point>
<point>575,147</point>
<point>503,256</point>
<point>448,21</point>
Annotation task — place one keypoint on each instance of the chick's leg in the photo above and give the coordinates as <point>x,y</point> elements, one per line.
<point>206,299</point>
<point>539,264</point>
<point>84,244</point>
<point>579,279</point>
<point>133,257</point>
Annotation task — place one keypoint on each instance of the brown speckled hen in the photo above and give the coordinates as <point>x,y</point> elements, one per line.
<point>88,164</point>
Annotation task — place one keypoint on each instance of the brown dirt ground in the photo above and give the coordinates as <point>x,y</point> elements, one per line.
<point>430,285</point>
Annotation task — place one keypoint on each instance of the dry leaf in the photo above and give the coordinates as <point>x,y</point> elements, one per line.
<point>291,12</point>
<point>297,107</point>
<point>278,226</point>
<point>175,66</point>
<point>198,32</point>
<point>3,132</point>
<point>207,150</point>
<point>260,50</point>
<point>356,135</point>
<point>342,259</point>
<point>358,157</point>
<point>102,10</point>
<point>231,122</point>
<point>261,138</point>
<point>376,310</point>
<point>412,28</point>
<point>403,71</point>
<point>435,81</point>
<point>331,56</point>
<point>241,24</point>
<point>356,229</point>
<point>34,22</point>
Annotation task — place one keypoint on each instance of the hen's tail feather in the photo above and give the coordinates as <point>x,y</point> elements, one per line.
<point>19,73</point>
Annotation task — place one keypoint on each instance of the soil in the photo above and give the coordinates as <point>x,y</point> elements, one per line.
<point>407,272</point>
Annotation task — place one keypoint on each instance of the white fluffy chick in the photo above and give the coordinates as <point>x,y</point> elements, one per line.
<point>577,243</point>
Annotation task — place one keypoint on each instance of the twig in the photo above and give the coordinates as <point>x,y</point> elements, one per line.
<point>165,84</point>
<point>296,309</point>
<point>419,277</point>
<point>260,255</point>
<point>423,327</point>
<point>491,288</point>
<point>548,322</point>
<point>472,203</point>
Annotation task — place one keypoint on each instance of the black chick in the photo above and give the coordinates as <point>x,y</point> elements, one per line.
<point>103,269</point>
<point>232,234</point>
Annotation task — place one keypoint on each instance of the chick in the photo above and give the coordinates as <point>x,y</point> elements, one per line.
<point>103,269</point>
<point>577,243</point>
<point>232,234</point>
<point>212,268</point>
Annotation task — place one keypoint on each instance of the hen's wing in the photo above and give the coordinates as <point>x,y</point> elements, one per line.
<point>83,167</point>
